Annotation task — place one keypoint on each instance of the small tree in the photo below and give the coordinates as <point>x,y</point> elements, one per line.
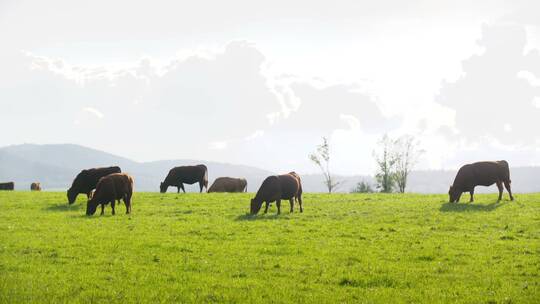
<point>386,162</point>
<point>407,154</point>
<point>321,158</point>
<point>362,187</point>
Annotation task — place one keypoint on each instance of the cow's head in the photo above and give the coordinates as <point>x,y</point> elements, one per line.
<point>453,195</point>
<point>255,206</point>
<point>91,207</point>
<point>163,188</point>
<point>71,195</point>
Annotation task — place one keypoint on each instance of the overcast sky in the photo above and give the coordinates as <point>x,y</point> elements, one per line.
<point>259,83</point>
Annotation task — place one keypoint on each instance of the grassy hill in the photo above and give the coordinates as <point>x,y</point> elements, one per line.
<point>197,248</point>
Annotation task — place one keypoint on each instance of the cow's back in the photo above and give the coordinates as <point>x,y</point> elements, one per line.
<point>114,185</point>
<point>270,189</point>
<point>224,184</point>
<point>88,179</point>
<point>289,185</point>
<point>7,186</point>
<point>484,173</point>
<point>186,174</point>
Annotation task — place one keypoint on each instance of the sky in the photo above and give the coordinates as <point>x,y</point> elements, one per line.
<point>261,82</point>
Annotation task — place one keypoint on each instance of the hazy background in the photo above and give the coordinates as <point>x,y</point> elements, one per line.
<point>259,83</point>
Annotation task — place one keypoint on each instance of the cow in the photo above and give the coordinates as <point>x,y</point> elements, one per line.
<point>275,188</point>
<point>178,176</point>
<point>87,180</point>
<point>35,187</point>
<point>110,188</point>
<point>7,186</point>
<point>485,173</point>
<point>228,184</point>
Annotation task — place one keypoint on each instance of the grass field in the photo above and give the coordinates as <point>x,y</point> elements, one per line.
<point>344,248</point>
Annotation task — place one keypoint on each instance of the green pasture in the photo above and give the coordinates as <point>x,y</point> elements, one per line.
<point>204,248</point>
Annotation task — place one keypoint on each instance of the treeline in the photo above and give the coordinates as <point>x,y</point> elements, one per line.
<point>395,158</point>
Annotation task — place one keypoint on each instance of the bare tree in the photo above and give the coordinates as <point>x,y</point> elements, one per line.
<point>386,161</point>
<point>407,153</point>
<point>321,158</point>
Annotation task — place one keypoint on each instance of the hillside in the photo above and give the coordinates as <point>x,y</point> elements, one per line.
<point>56,165</point>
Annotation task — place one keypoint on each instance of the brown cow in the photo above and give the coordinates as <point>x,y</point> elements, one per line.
<point>35,187</point>
<point>228,184</point>
<point>110,188</point>
<point>484,173</point>
<point>178,176</point>
<point>7,186</point>
<point>275,188</point>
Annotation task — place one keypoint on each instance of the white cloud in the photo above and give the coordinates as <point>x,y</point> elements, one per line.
<point>218,145</point>
<point>94,112</point>
<point>256,134</point>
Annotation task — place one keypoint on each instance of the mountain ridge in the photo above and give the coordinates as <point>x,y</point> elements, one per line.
<point>55,166</point>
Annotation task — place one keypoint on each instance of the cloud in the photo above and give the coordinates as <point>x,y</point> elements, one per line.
<point>94,112</point>
<point>254,135</point>
<point>495,97</point>
<point>222,105</point>
<point>218,145</point>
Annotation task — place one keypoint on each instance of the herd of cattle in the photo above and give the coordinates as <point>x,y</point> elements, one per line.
<point>107,185</point>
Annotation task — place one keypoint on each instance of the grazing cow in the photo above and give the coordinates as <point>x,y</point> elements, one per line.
<point>275,188</point>
<point>7,186</point>
<point>228,184</point>
<point>178,176</point>
<point>484,173</point>
<point>35,187</point>
<point>110,188</point>
<point>87,180</point>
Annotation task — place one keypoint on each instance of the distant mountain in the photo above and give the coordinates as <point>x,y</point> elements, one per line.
<point>55,166</point>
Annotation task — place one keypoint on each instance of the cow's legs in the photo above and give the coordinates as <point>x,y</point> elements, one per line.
<point>200,186</point>
<point>127,202</point>
<point>278,204</point>
<point>112,206</point>
<point>178,189</point>
<point>102,209</point>
<point>500,186</point>
<point>300,202</point>
<point>266,208</point>
<point>472,195</point>
<point>182,187</point>
<point>291,201</point>
<point>507,186</point>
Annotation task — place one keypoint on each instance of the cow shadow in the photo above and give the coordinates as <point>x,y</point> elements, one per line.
<point>258,217</point>
<point>471,207</point>
<point>63,207</point>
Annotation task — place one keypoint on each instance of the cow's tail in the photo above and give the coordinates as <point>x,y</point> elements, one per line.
<point>205,179</point>
<point>506,167</point>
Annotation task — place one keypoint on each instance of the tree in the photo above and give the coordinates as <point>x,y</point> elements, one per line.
<point>407,154</point>
<point>386,161</point>
<point>362,187</point>
<point>321,158</point>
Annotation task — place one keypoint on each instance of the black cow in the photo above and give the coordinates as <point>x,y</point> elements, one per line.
<point>178,176</point>
<point>275,188</point>
<point>7,186</point>
<point>110,188</point>
<point>87,180</point>
<point>484,173</point>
